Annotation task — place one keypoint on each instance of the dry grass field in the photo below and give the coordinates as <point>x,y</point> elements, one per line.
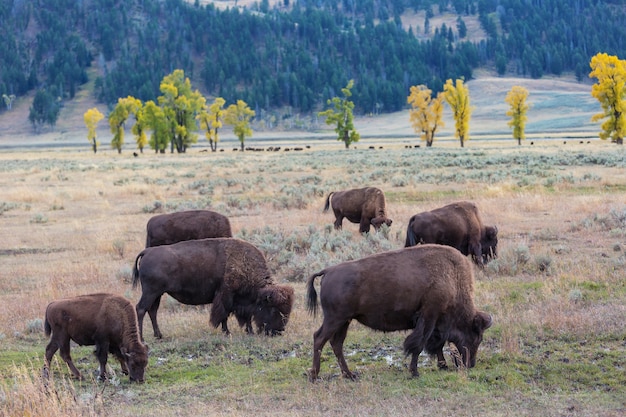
<point>72,222</point>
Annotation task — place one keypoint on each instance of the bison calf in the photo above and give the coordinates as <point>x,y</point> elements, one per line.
<point>365,206</point>
<point>105,320</point>
<point>458,225</point>
<point>165,229</point>
<point>428,289</point>
<point>229,273</point>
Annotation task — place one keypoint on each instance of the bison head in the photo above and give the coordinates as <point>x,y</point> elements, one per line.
<point>136,361</point>
<point>469,339</point>
<point>274,305</point>
<point>489,243</point>
<point>377,222</point>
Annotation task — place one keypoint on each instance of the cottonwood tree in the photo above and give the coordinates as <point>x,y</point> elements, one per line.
<point>180,105</point>
<point>426,113</point>
<point>152,117</point>
<point>8,100</point>
<point>457,97</point>
<point>516,98</point>
<point>124,108</point>
<point>212,120</point>
<point>610,91</point>
<point>239,116</point>
<point>92,117</point>
<point>342,117</point>
<point>141,139</point>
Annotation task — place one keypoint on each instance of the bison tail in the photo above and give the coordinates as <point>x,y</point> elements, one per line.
<point>46,326</point>
<point>411,239</point>
<point>327,204</point>
<point>311,294</point>
<point>136,270</point>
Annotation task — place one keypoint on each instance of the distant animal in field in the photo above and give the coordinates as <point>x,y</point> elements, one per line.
<point>427,289</point>
<point>165,229</point>
<point>365,206</point>
<point>458,225</point>
<point>107,321</point>
<point>229,273</point>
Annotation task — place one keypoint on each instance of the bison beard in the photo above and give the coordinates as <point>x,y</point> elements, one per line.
<point>427,289</point>
<point>228,273</point>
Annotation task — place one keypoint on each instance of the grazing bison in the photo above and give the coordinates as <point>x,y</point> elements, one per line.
<point>365,206</point>
<point>165,229</point>
<point>458,225</point>
<point>428,289</point>
<point>107,321</point>
<point>229,273</point>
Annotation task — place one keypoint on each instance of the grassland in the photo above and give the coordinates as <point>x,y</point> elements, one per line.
<point>72,222</point>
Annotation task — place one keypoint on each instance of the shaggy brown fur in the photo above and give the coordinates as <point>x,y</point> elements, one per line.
<point>458,225</point>
<point>166,229</point>
<point>229,273</point>
<point>428,289</point>
<point>365,206</point>
<point>107,321</point>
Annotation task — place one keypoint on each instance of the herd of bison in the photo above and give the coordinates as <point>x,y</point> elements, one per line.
<point>426,287</point>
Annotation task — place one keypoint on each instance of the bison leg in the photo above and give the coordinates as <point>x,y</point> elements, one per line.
<point>319,340</point>
<point>120,357</point>
<point>338,221</point>
<point>151,305</point>
<point>364,225</point>
<point>336,341</point>
<point>415,342</point>
<point>102,353</point>
<point>64,351</point>
<point>441,360</point>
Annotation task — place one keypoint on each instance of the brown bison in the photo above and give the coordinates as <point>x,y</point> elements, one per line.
<point>229,273</point>
<point>458,225</point>
<point>165,229</point>
<point>107,321</point>
<point>365,206</point>
<point>428,289</point>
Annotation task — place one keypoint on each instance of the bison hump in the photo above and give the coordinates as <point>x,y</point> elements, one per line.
<point>246,268</point>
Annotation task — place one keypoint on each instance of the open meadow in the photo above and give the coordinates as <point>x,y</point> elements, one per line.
<point>72,222</point>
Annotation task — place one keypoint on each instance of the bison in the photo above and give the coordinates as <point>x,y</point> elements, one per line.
<point>427,289</point>
<point>458,225</point>
<point>107,321</point>
<point>365,206</point>
<point>165,229</point>
<point>227,272</point>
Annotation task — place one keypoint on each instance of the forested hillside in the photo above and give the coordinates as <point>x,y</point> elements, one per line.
<point>297,53</point>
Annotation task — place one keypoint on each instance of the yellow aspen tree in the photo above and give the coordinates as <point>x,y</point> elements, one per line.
<point>92,117</point>
<point>117,118</point>
<point>212,121</point>
<point>610,91</point>
<point>426,113</point>
<point>457,97</point>
<point>516,98</point>
<point>239,116</point>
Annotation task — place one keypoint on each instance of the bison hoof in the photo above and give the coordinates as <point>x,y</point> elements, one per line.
<point>312,375</point>
<point>442,365</point>
<point>351,376</point>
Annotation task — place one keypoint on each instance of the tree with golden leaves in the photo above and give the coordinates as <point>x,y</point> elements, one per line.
<point>457,97</point>
<point>610,91</point>
<point>117,118</point>
<point>211,121</point>
<point>426,113</point>
<point>516,98</point>
<point>92,117</point>
<point>180,104</point>
<point>239,116</point>
<point>342,117</point>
